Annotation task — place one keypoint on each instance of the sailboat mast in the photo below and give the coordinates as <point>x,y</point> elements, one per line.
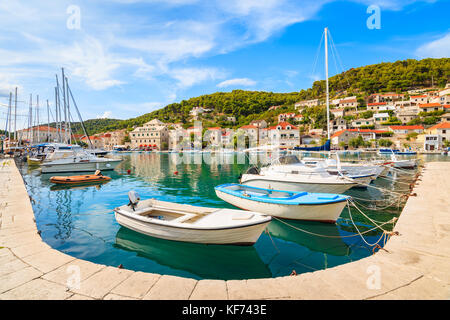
<point>31,119</point>
<point>64,102</point>
<point>37,119</point>
<point>48,122</point>
<point>9,117</point>
<point>15,116</point>
<point>326,74</point>
<point>68,111</point>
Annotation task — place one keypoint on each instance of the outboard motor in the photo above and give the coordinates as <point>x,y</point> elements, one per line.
<point>134,199</point>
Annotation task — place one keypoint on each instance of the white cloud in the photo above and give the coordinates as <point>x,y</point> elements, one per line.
<point>188,77</point>
<point>439,48</point>
<point>105,115</point>
<point>238,82</point>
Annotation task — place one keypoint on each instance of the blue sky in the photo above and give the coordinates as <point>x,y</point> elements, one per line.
<point>130,57</point>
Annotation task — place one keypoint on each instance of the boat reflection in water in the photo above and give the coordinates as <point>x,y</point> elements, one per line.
<point>204,261</point>
<point>330,243</point>
<point>286,249</point>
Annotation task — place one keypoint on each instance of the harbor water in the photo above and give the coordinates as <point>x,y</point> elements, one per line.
<point>79,221</point>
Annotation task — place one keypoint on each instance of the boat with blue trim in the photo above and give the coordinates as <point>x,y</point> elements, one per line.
<point>324,207</point>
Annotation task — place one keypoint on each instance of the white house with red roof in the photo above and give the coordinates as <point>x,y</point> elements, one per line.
<point>376,105</point>
<point>406,129</point>
<point>346,135</point>
<point>444,99</point>
<point>442,129</point>
<point>429,107</point>
<point>351,102</point>
<point>285,116</point>
<point>386,97</point>
<point>284,134</point>
<point>423,98</point>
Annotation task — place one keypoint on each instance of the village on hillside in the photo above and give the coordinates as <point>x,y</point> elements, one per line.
<point>416,120</point>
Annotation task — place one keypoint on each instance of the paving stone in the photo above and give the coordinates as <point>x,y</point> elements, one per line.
<point>37,289</point>
<point>137,285</point>
<point>11,266</point>
<point>112,296</point>
<point>79,297</point>
<point>101,283</point>
<point>77,270</point>
<point>18,278</point>
<point>29,249</point>
<point>210,290</point>
<point>171,288</point>
<point>47,260</point>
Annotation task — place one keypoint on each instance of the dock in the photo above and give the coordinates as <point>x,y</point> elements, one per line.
<point>413,264</point>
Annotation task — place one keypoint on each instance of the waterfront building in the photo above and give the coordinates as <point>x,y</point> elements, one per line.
<point>429,107</point>
<point>284,134</point>
<point>153,134</point>
<point>40,134</point>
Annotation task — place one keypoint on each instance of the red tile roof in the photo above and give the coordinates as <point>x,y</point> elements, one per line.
<point>442,125</point>
<point>283,126</point>
<point>249,126</point>
<point>42,128</point>
<point>421,96</point>
<point>406,127</point>
<point>377,104</point>
<point>429,105</point>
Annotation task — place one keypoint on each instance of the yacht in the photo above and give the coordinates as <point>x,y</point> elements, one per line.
<point>290,174</point>
<point>73,158</point>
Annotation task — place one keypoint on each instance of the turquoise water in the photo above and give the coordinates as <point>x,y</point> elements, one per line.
<point>80,221</point>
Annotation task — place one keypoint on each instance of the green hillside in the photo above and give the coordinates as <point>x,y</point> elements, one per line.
<point>398,76</point>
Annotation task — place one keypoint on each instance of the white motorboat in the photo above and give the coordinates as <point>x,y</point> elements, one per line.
<point>186,223</point>
<point>72,158</point>
<point>361,172</point>
<point>289,174</point>
<point>322,207</point>
<point>402,164</point>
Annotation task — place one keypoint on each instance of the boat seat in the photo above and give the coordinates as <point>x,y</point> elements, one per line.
<point>185,217</point>
<point>242,216</point>
<point>301,194</point>
<point>328,198</point>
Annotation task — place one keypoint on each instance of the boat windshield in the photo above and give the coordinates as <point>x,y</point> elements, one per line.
<point>288,159</point>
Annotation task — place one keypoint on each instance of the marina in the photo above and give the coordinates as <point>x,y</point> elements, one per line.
<point>412,262</point>
<point>208,164</point>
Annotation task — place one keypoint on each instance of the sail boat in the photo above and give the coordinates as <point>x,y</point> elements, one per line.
<point>290,174</point>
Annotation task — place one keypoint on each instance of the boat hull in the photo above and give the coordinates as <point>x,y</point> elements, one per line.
<point>243,235</point>
<point>265,183</point>
<point>79,166</point>
<point>324,212</point>
<point>404,164</point>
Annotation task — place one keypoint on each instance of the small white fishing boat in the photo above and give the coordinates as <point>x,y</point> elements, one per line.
<point>403,164</point>
<point>186,223</point>
<point>324,207</point>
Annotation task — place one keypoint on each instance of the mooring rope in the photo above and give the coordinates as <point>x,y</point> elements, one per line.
<point>361,234</point>
<point>326,236</point>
